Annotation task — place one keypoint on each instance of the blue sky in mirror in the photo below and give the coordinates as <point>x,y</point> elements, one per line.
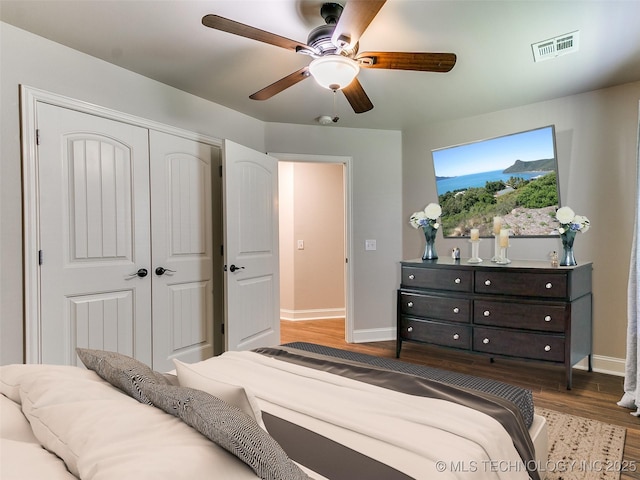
<point>482,161</point>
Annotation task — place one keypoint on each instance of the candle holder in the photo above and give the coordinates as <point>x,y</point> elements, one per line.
<point>496,247</point>
<point>503,260</point>
<point>475,245</point>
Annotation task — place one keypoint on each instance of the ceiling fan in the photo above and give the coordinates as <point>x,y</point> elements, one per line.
<point>334,49</point>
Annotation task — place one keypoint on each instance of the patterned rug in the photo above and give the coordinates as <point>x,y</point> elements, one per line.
<point>581,448</point>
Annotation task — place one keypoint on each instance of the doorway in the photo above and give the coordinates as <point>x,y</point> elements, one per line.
<point>314,238</point>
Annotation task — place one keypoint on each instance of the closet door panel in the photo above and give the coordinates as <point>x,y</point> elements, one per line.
<point>182,297</point>
<point>93,203</point>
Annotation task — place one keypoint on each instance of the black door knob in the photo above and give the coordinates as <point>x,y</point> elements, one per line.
<point>142,272</point>
<point>233,268</point>
<point>162,271</point>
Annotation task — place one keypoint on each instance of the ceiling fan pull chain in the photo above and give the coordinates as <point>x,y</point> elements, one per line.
<point>335,109</point>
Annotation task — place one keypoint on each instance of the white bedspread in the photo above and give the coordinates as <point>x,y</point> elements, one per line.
<point>423,437</point>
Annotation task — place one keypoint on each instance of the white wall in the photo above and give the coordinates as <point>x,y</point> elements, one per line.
<point>376,213</point>
<point>597,135</point>
<point>33,61</point>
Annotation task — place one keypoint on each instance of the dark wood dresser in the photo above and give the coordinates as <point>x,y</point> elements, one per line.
<point>524,310</point>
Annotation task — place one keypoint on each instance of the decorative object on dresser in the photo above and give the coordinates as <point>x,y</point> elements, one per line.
<point>570,224</point>
<point>475,245</point>
<point>427,219</point>
<point>524,310</point>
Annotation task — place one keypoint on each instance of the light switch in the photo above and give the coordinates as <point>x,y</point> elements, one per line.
<point>369,244</point>
<point>300,244</point>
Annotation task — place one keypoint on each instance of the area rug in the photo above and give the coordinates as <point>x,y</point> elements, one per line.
<point>581,448</point>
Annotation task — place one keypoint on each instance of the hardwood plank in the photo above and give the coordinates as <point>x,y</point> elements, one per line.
<point>594,395</point>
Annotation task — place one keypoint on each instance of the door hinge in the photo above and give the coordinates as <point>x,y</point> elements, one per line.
<point>222,250</point>
<point>39,257</point>
<point>220,170</point>
<point>37,136</point>
<point>222,328</point>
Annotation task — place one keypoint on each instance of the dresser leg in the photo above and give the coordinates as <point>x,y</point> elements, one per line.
<point>398,347</point>
<point>491,360</point>
<point>590,365</point>
<point>568,377</point>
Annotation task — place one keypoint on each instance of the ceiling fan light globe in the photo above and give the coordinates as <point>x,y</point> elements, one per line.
<point>334,72</point>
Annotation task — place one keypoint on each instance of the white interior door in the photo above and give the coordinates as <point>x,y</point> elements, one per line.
<point>93,178</point>
<point>252,292</point>
<point>181,245</point>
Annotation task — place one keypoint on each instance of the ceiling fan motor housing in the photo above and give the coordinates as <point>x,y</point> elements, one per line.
<point>320,39</point>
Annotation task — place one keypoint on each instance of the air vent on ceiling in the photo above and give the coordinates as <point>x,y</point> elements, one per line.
<point>555,47</point>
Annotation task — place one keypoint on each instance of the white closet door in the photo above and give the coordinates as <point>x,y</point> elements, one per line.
<point>182,296</point>
<point>93,177</point>
<point>252,285</point>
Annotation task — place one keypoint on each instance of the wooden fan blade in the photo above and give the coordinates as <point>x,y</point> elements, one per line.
<point>424,62</point>
<point>354,20</point>
<point>225,25</point>
<point>280,85</point>
<point>357,97</point>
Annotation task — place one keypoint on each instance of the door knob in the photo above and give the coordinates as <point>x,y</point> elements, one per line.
<point>140,273</point>
<point>233,268</point>
<point>162,270</point>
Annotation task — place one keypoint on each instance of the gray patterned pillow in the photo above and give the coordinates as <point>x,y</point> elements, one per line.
<point>126,373</point>
<point>228,427</point>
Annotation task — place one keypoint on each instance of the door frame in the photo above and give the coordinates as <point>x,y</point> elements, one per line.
<point>348,273</point>
<point>29,98</point>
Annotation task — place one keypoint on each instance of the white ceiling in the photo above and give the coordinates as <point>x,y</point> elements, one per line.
<point>165,40</point>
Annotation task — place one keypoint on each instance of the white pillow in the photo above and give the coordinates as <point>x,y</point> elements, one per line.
<point>232,394</point>
<point>103,434</point>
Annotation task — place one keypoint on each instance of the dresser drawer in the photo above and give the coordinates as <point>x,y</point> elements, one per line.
<point>528,316</point>
<point>434,307</point>
<point>437,279</point>
<point>445,334</point>
<point>519,344</point>
<point>543,284</point>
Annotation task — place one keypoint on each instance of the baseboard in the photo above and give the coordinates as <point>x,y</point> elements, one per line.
<point>603,364</point>
<point>599,363</point>
<point>312,314</point>
<point>374,335</point>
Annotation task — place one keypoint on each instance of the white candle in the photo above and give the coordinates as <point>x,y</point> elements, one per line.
<point>504,237</point>
<point>475,234</point>
<point>497,225</point>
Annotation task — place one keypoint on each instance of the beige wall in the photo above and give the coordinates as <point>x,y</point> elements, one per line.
<point>314,275</point>
<point>597,137</point>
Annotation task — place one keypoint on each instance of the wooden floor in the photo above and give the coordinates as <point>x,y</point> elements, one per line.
<point>594,395</point>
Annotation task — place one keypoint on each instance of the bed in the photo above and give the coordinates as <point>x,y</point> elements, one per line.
<point>295,411</point>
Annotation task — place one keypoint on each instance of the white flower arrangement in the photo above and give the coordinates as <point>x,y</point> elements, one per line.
<point>570,222</point>
<point>427,217</point>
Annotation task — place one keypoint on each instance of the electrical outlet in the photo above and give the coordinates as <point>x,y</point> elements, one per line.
<point>369,244</point>
<point>300,244</point>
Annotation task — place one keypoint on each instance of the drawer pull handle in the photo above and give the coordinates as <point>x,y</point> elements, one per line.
<point>486,313</point>
<point>409,304</point>
<point>547,348</point>
<point>457,280</point>
<point>548,285</point>
<point>456,336</point>
<point>485,341</point>
<point>456,310</point>
<point>412,276</point>
<point>487,282</point>
<point>410,329</point>
<point>547,318</point>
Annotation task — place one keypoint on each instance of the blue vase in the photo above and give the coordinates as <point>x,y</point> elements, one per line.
<point>430,248</point>
<point>568,259</point>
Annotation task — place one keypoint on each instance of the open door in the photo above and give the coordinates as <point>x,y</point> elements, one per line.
<point>252,277</point>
